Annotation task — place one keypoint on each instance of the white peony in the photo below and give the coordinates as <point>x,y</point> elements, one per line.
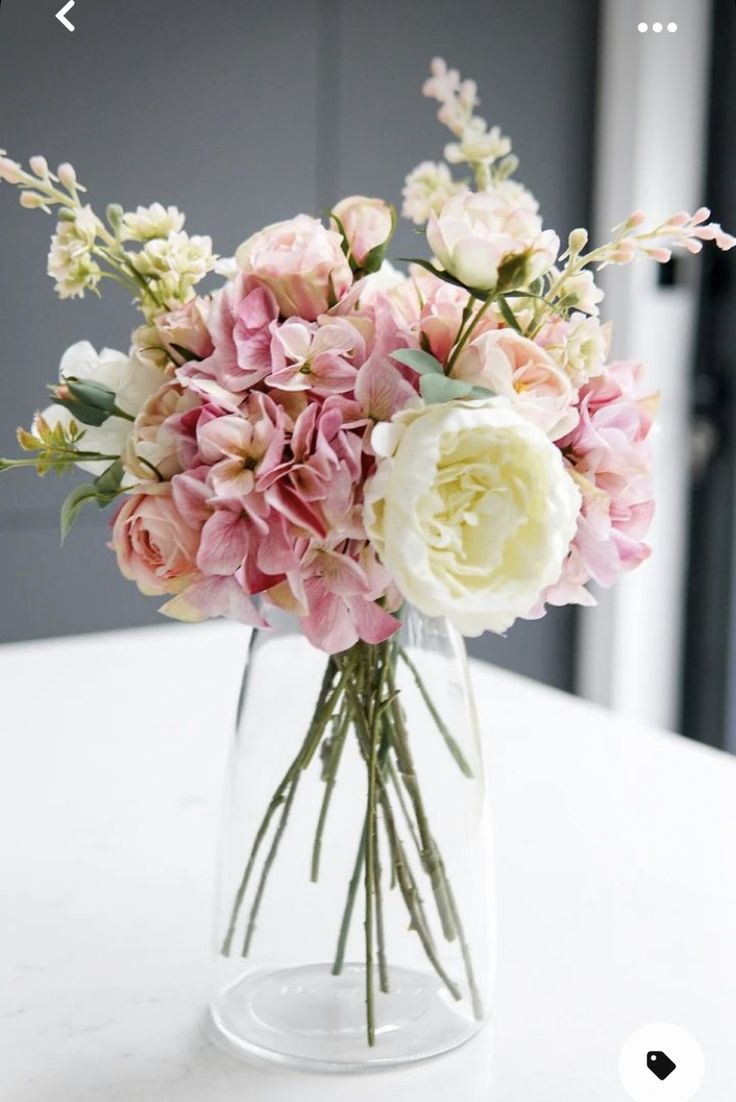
<point>471,510</point>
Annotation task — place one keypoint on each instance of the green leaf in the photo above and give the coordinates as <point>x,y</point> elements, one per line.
<point>438,388</point>
<point>508,314</point>
<point>72,506</point>
<point>185,353</point>
<point>107,485</point>
<point>481,392</point>
<point>482,296</point>
<point>422,362</point>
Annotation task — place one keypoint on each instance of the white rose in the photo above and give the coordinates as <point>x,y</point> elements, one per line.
<point>471,510</point>
<point>475,232</point>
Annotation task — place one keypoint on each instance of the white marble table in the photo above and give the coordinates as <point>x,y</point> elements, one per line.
<point>616,854</point>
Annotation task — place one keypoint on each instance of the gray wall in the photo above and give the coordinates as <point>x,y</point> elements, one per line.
<point>241,114</point>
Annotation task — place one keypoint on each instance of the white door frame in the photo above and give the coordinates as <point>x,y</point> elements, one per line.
<point>651,141</point>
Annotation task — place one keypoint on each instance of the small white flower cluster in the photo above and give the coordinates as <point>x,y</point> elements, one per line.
<point>71,262</point>
<point>427,188</point>
<point>173,265</point>
<point>147,223</point>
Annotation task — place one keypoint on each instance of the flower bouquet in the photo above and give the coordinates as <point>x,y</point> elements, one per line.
<point>367,455</point>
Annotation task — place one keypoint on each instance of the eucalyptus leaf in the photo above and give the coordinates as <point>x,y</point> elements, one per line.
<point>481,392</point>
<point>438,388</point>
<point>72,506</point>
<point>422,362</point>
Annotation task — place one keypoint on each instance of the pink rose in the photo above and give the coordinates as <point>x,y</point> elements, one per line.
<point>367,224</point>
<point>518,369</point>
<point>155,548</point>
<point>301,262</point>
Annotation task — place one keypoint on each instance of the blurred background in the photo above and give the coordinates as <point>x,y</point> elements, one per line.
<point>241,115</point>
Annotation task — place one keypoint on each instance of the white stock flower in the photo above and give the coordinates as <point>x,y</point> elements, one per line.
<point>176,263</point>
<point>471,510</point>
<point>580,346</point>
<point>71,263</point>
<point>147,223</point>
<point>427,188</point>
<point>478,146</point>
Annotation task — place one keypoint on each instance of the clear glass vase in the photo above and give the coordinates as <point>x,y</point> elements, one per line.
<point>356,921</point>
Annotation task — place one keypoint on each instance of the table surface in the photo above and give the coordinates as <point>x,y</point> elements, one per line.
<point>616,857</point>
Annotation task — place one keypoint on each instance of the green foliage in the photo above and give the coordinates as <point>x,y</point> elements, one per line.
<point>105,488</point>
<point>89,402</point>
<point>424,363</point>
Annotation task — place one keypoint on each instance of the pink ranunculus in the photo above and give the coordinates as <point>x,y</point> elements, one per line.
<point>609,458</point>
<point>518,369</point>
<point>155,547</point>
<point>301,262</point>
<point>185,330</point>
<point>153,452</point>
<point>367,224</point>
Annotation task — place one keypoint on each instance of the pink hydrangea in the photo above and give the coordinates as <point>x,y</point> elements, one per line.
<point>609,457</point>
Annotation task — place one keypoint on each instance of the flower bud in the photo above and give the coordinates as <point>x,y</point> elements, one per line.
<point>31,200</point>
<point>636,219</point>
<point>10,171</point>
<point>366,225</point>
<point>67,176</point>
<point>39,166</point>
<point>577,241</point>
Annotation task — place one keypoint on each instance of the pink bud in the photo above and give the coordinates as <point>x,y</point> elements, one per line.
<point>637,218</point>
<point>702,214</point>
<point>660,255</point>
<point>39,166</point>
<point>31,200</point>
<point>693,245</point>
<point>10,171</point>
<point>680,219</point>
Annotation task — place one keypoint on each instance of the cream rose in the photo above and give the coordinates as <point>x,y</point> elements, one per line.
<point>367,224</point>
<point>155,547</point>
<point>471,510</point>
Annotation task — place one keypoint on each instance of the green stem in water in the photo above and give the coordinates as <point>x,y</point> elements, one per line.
<point>350,903</point>
<point>314,734</point>
<point>452,743</point>
<point>252,919</point>
<point>331,768</point>
<point>370,882</point>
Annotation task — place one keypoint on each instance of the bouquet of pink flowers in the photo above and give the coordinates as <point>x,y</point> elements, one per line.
<point>327,435</point>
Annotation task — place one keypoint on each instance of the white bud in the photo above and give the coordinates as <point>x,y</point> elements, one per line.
<point>67,176</point>
<point>577,240</point>
<point>39,166</point>
<point>31,200</point>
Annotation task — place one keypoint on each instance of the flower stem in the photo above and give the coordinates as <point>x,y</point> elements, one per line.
<point>332,765</point>
<point>350,902</point>
<point>314,734</point>
<point>452,743</point>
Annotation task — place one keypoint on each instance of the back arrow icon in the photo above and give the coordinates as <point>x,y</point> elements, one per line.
<point>61,15</point>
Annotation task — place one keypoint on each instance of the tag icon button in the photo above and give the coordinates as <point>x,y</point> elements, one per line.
<point>660,1064</point>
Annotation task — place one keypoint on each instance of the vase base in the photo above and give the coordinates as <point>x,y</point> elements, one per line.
<point>306,1017</point>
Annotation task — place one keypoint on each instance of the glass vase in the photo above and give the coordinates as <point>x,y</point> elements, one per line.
<point>356,925</point>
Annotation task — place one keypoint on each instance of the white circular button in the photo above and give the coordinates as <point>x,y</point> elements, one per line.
<point>661,1063</point>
